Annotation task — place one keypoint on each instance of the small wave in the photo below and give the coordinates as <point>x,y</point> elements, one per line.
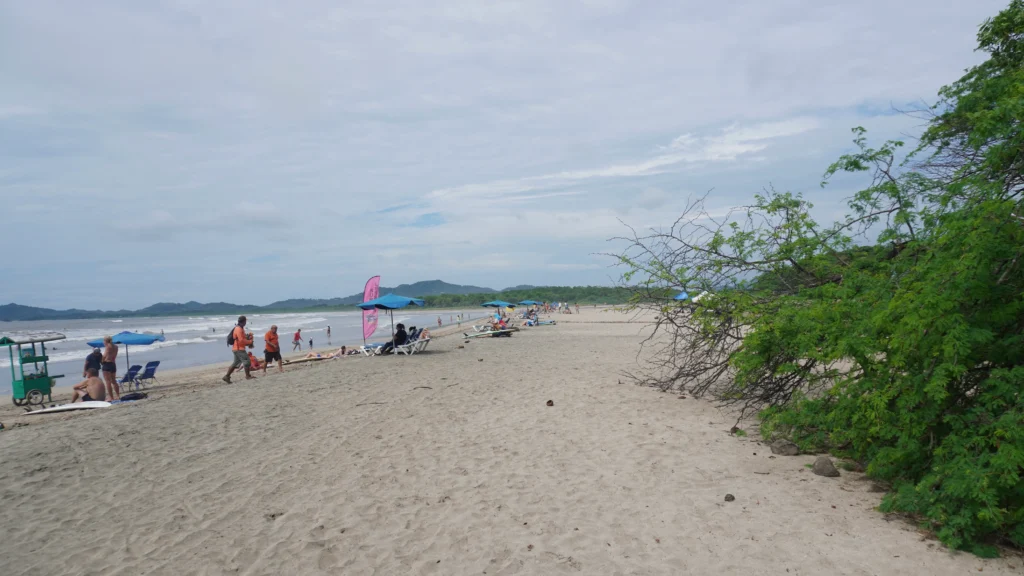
<point>117,321</point>
<point>81,353</point>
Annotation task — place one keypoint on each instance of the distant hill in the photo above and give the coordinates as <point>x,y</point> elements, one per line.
<point>433,288</point>
<point>14,312</point>
<point>521,287</point>
<point>18,312</point>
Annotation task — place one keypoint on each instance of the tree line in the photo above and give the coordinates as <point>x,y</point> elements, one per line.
<point>583,295</point>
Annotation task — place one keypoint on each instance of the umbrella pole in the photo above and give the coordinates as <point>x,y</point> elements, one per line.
<point>392,325</point>
<point>127,359</point>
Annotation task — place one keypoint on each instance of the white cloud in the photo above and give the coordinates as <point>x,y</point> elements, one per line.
<point>686,150</point>
<point>538,124</point>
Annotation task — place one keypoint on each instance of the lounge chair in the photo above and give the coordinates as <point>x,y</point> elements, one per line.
<point>412,344</point>
<point>371,349</point>
<point>149,373</point>
<point>492,333</point>
<point>129,377</point>
<point>421,344</point>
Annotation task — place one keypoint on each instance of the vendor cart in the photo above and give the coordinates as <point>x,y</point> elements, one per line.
<point>31,380</point>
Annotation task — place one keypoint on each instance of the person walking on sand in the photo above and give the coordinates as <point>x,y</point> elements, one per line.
<point>272,350</point>
<point>239,341</point>
<point>109,365</point>
<point>297,340</point>
<point>438,321</point>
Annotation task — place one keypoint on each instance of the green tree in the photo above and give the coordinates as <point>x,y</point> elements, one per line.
<point>906,354</point>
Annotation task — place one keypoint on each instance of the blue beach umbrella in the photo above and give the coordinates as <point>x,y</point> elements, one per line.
<point>529,303</point>
<point>682,296</point>
<point>391,302</point>
<point>498,304</point>
<point>129,339</point>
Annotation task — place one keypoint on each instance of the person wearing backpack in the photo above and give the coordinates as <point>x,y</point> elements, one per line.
<point>239,340</point>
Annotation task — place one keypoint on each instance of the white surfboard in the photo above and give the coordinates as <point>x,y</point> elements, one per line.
<point>76,406</point>
<point>490,333</point>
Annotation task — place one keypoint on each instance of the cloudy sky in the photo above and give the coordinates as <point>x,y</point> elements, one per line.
<point>254,150</point>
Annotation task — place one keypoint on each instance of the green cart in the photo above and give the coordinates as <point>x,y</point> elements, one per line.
<point>31,380</point>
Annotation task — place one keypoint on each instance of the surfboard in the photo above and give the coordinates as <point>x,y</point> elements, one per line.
<point>491,333</point>
<point>302,360</point>
<point>75,406</point>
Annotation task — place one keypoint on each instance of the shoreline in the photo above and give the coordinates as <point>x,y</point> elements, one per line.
<point>211,373</point>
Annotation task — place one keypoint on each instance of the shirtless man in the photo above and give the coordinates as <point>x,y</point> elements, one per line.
<point>89,389</point>
<point>110,368</point>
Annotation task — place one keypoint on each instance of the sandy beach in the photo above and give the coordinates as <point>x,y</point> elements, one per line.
<point>447,462</point>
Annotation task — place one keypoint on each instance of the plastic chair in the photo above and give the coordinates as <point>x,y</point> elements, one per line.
<point>129,377</point>
<point>148,374</point>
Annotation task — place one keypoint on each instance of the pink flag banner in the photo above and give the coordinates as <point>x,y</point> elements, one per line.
<point>370,292</point>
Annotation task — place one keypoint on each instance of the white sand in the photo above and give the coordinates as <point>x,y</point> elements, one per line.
<point>352,466</point>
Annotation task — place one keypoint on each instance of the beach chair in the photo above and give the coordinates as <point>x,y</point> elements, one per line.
<point>371,349</point>
<point>129,377</point>
<point>421,344</point>
<point>411,344</point>
<point>148,373</point>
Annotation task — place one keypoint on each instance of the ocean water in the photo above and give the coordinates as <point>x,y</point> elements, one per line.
<point>198,341</point>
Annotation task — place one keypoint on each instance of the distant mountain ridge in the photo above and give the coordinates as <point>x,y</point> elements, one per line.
<point>13,312</point>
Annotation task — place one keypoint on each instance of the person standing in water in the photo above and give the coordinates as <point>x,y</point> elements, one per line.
<point>328,335</point>
<point>438,321</point>
<point>109,365</point>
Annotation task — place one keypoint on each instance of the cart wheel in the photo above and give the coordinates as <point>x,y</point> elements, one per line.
<point>18,401</point>
<point>34,397</point>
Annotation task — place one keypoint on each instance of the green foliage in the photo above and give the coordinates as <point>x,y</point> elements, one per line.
<point>906,355</point>
<point>584,295</point>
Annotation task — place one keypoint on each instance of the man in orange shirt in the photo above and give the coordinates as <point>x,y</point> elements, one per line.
<point>272,351</point>
<point>240,340</point>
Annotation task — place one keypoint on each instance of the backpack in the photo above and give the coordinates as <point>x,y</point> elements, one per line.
<point>231,336</point>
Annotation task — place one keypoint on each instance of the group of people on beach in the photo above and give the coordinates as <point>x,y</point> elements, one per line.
<point>92,387</point>
<point>241,340</point>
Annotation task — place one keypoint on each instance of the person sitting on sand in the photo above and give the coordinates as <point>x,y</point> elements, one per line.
<point>90,389</point>
<point>255,363</point>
